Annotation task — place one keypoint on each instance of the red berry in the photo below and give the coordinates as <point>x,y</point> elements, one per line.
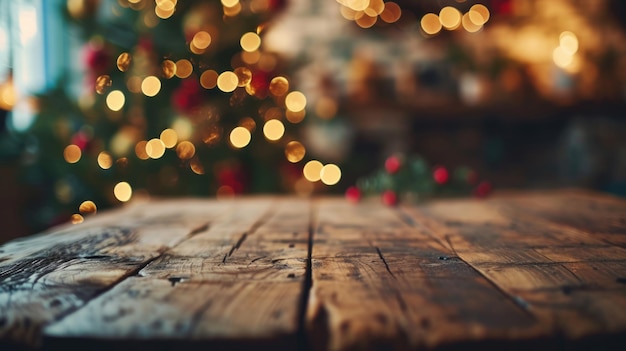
<point>353,194</point>
<point>440,175</point>
<point>392,164</point>
<point>390,198</point>
<point>483,189</point>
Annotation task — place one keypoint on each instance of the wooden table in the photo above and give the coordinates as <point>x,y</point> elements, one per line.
<point>544,270</point>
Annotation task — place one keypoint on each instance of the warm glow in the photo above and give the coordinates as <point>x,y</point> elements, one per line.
<point>230,3</point>
<point>87,207</point>
<point>561,57</point>
<point>232,11</point>
<point>185,150</point>
<point>240,137</point>
<point>201,40</point>
<point>357,5</point>
<point>115,100</point>
<point>155,148</point>
<point>469,25</point>
<point>326,107</point>
<point>273,129</point>
<point>279,86</point>
<point>295,101</point>
<point>196,166</point>
<point>479,14</point>
<point>312,170</point>
<point>366,21</point>
<point>169,69</point>
<point>450,18</point>
<point>150,86</point>
<point>250,41</point>
<point>163,13</point>
<point>123,191</point>
<point>183,68</point>
<point>105,161</point>
<point>430,24</point>
<point>294,151</point>
<point>183,128</point>
<point>123,61</point>
<point>169,138</point>
<point>569,42</point>
<point>295,117</point>
<point>76,218</point>
<point>140,150</point>
<point>330,174</point>
<point>244,76</point>
<point>166,5</point>
<point>227,81</point>
<point>391,13</point>
<point>102,82</point>
<point>208,79</point>
<point>72,153</point>
<point>250,57</point>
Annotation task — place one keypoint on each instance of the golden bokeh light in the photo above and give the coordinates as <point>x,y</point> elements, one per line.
<point>250,58</point>
<point>561,57</point>
<point>72,153</point>
<point>76,219</point>
<point>105,161</point>
<point>140,150</point>
<point>374,8</point>
<point>164,13</point>
<point>273,130</point>
<point>123,61</point>
<point>430,24</point>
<point>569,42</point>
<point>330,174</point>
<point>391,13</point>
<point>312,170</point>
<point>166,5</point>
<point>244,75</point>
<point>208,79</point>
<point>349,13</point>
<point>184,68</point>
<point>250,41</point>
<point>227,81</point>
<point>150,86</point>
<point>115,100</point>
<point>169,137</point>
<point>229,3</point>
<point>279,86</point>
<point>357,5</point>
<point>479,14</point>
<point>469,25</point>
<point>155,148</point>
<point>232,11</point>
<point>87,207</point>
<point>201,40</point>
<point>183,128</point>
<point>185,150</point>
<point>102,83</point>
<point>450,18</point>
<point>295,117</point>
<point>294,151</point>
<point>240,137</point>
<point>169,68</point>
<point>366,21</point>
<point>196,166</point>
<point>8,95</point>
<point>295,101</point>
<point>123,191</point>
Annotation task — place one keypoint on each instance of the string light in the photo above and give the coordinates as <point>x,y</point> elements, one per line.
<point>105,161</point>
<point>123,191</point>
<point>295,101</point>
<point>330,174</point>
<point>273,130</point>
<point>312,170</point>
<point>123,61</point>
<point>169,138</point>
<point>184,68</point>
<point>150,86</point>
<point>294,151</point>
<point>155,148</point>
<point>115,100</point>
<point>72,153</point>
<point>250,41</point>
<point>430,24</point>
<point>227,81</point>
<point>240,137</point>
<point>87,207</point>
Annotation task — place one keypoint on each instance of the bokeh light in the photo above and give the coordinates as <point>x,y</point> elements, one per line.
<point>123,191</point>
<point>140,150</point>
<point>155,148</point>
<point>87,207</point>
<point>102,82</point>
<point>115,100</point>
<point>105,161</point>
<point>184,68</point>
<point>294,151</point>
<point>430,24</point>
<point>72,153</point>
<point>123,61</point>
<point>150,86</point>
<point>569,42</point>
<point>330,174</point>
<point>295,101</point>
<point>169,137</point>
<point>469,25</point>
<point>250,41</point>
<point>76,219</point>
<point>450,18</point>
<point>201,40</point>
<point>208,79</point>
<point>279,86</point>
<point>244,75</point>
<point>185,150</point>
<point>240,137</point>
<point>295,117</point>
<point>312,170</point>
<point>169,69</point>
<point>273,130</point>
<point>391,13</point>
<point>479,14</point>
<point>227,81</point>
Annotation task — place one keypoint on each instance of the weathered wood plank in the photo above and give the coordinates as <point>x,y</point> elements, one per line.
<point>381,283</point>
<point>235,284</point>
<point>560,274</point>
<point>61,271</point>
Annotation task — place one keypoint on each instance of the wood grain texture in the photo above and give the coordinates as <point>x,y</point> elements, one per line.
<point>238,283</point>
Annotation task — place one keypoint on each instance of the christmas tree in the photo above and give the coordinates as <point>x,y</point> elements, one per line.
<point>178,98</point>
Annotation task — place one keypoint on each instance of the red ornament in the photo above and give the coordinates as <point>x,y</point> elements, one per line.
<point>187,96</point>
<point>392,164</point>
<point>353,194</point>
<point>97,59</point>
<point>81,139</point>
<point>390,198</point>
<point>483,189</point>
<point>260,83</point>
<point>441,175</point>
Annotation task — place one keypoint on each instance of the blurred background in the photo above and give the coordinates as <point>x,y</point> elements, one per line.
<point>108,101</point>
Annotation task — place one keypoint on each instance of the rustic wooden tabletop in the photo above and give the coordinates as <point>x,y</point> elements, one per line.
<point>541,270</point>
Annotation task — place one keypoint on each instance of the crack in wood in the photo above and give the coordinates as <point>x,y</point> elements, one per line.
<point>380,254</point>
<point>307,284</point>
